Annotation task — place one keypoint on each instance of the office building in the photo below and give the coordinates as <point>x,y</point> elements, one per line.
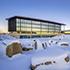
<point>33,27</point>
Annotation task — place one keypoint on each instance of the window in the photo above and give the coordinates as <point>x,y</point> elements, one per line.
<point>28,25</point>
<point>22,20</point>
<point>44,29</point>
<point>28,29</point>
<point>45,24</point>
<point>17,20</point>
<point>35,22</point>
<point>17,24</point>
<point>51,25</point>
<point>35,26</point>
<point>35,29</point>
<point>23,29</point>
<point>18,28</point>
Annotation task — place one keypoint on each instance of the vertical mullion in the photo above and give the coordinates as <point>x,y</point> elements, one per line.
<point>31,29</point>
<point>40,29</point>
<point>20,25</point>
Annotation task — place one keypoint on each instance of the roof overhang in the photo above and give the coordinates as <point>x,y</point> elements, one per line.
<point>34,19</point>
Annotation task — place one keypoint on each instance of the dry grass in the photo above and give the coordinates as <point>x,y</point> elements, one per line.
<point>13,49</point>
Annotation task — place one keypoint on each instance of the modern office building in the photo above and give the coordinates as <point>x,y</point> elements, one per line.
<point>33,27</point>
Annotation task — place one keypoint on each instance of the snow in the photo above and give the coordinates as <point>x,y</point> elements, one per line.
<point>48,55</point>
<point>6,36</point>
<point>18,62</point>
<point>54,67</point>
<point>26,43</point>
<point>4,44</point>
<point>2,49</point>
<point>8,42</point>
<point>54,51</point>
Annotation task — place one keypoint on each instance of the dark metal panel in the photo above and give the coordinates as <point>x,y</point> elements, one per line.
<point>12,25</point>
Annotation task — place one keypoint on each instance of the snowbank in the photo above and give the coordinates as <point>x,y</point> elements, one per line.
<point>8,42</point>
<point>51,55</point>
<point>4,44</point>
<point>26,43</point>
<point>54,67</point>
<point>2,49</point>
<point>6,36</point>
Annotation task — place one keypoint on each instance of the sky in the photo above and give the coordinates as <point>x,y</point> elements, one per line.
<point>53,10</point>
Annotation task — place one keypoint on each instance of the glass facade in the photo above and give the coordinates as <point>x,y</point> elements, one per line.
<point>36,27</point>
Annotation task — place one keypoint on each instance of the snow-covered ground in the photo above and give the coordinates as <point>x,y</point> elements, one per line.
<point>51,53</point>
<point>17,62</point>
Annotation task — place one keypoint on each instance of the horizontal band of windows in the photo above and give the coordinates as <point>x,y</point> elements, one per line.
<point>22,23</point>
<point>45,27</point>
<point>44,31</point>
<point>51,26</point>
<point>23,26</point>
<point>35,29</point>
<point>17,24</point>
<point>32,27</point>
<point>27,27</point>
<point>25,23</point>
<point>51,30</point>
<point>38,24</point>
<point>33,23</point>
<point>57,25</point>
<point>45,23</point>
<point>57,28</point>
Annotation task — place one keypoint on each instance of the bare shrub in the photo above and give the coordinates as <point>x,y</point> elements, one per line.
<point>13,49</point>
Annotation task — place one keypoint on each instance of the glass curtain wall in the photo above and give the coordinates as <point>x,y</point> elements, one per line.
<point>44,28</point>
<point>36,27</point>
<point>23,26</point>
<point>51,28</point>
<point>18,25</point>
<point>57,28</point>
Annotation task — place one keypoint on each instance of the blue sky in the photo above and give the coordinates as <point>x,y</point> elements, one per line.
<point>54,10</point>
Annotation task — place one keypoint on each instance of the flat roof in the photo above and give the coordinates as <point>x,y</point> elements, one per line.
<point>35,19</point>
